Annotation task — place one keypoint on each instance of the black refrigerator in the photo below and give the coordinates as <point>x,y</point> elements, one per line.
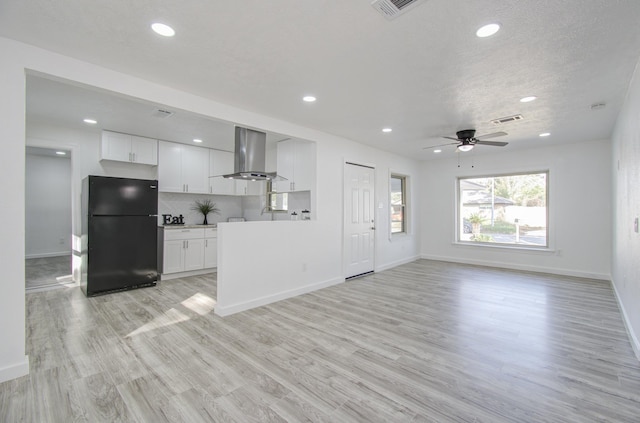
<point>119,234</point>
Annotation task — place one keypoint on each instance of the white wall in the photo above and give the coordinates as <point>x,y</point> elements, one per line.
<point>626,191</point>
<point>324,236</point>
<point>13,361</point>
<point>48,206</point>
<point>579,208</point>
<point>289,258</point>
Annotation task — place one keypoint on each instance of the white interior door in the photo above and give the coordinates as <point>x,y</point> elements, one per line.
<point>359,225</point>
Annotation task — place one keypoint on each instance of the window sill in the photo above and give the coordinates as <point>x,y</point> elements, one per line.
<point>523,248</point>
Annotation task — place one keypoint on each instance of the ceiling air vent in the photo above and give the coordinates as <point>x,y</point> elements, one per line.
<point>391,9</point>
<point>507,119</point>
<point>160,113</point>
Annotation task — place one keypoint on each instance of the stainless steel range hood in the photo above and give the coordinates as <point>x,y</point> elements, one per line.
<point>249,158</point>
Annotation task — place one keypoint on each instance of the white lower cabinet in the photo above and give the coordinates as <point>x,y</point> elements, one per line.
<point>210,248</point>
<point>188,249</point>
<point>194,254</point>
<point>173,256</point>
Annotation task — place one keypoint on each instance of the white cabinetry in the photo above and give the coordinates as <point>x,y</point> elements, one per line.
<point>128,148</point>
<point>210,248</point>
<point>189,249</point>
<point>250,188</point>
<point>296,162</point>
<point>194,254</point>
<point>222,163</point>
<point>183,168</point>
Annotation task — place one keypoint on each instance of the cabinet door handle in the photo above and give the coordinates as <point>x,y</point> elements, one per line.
<point>130,157</point>
<point>134,157</point>
<point>206,243</point>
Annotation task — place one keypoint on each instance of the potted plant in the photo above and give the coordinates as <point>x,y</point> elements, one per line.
<point>205,207</point>
<point>476,221</point>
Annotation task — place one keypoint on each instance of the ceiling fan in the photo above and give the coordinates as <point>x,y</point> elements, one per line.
<point>466,140</point>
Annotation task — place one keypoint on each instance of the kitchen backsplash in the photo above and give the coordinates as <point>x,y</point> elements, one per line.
<point>249,207</point>
<point>180,204</point>
<point>254,206</point>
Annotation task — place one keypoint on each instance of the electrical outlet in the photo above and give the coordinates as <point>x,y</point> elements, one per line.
<point>635,225</point>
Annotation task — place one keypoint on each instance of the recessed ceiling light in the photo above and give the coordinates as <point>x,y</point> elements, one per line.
<point>90,121</point>
<point>488,30</point>
<point>387,129</point>
<point>61,153</point>
<point>528,99</point>
<point>309,98</point>
<point>162,29</point>
<point>437,151</point>
<point>545,134</point>
<point>197,140</point>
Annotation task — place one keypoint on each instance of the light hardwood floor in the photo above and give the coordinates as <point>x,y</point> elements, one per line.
<point>423,342</point>
<point>48,273</point>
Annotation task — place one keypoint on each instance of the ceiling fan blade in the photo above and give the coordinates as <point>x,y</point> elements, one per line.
<point>451,138</point>
<point>440,145</point>
<point>493,143</point>
<point>495,134</point>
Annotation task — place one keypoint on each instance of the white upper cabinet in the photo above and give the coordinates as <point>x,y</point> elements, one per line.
<point>183,168</point>
<point>128,148</point>
<point>250,187</point>
<point>195,169</point>
<point>297,163</point>
<point>221,163</point>
<point>144,150</point>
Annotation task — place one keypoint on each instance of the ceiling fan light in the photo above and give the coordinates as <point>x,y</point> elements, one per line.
<point>465,147</point>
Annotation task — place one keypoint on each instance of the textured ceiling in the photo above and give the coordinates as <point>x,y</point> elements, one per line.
<point>425,74</point>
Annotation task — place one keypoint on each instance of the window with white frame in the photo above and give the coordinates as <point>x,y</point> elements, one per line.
<point>504,209</point>
<point>398,196</point>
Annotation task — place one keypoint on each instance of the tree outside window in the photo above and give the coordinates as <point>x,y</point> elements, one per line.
<point>504,209</point>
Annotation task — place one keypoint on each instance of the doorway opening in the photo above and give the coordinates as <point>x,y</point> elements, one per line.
<point>48,225</point>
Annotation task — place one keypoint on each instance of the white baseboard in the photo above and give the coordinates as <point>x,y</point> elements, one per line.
<point>396,263</point>
<point>635,343</point>
<point>524,267</point>
<point>15,370</point>
<point>169,276</point>
<point>236,308</point>
<point>44,255</point>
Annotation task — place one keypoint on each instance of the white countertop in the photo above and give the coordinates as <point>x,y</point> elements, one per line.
<point>213,226</point>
